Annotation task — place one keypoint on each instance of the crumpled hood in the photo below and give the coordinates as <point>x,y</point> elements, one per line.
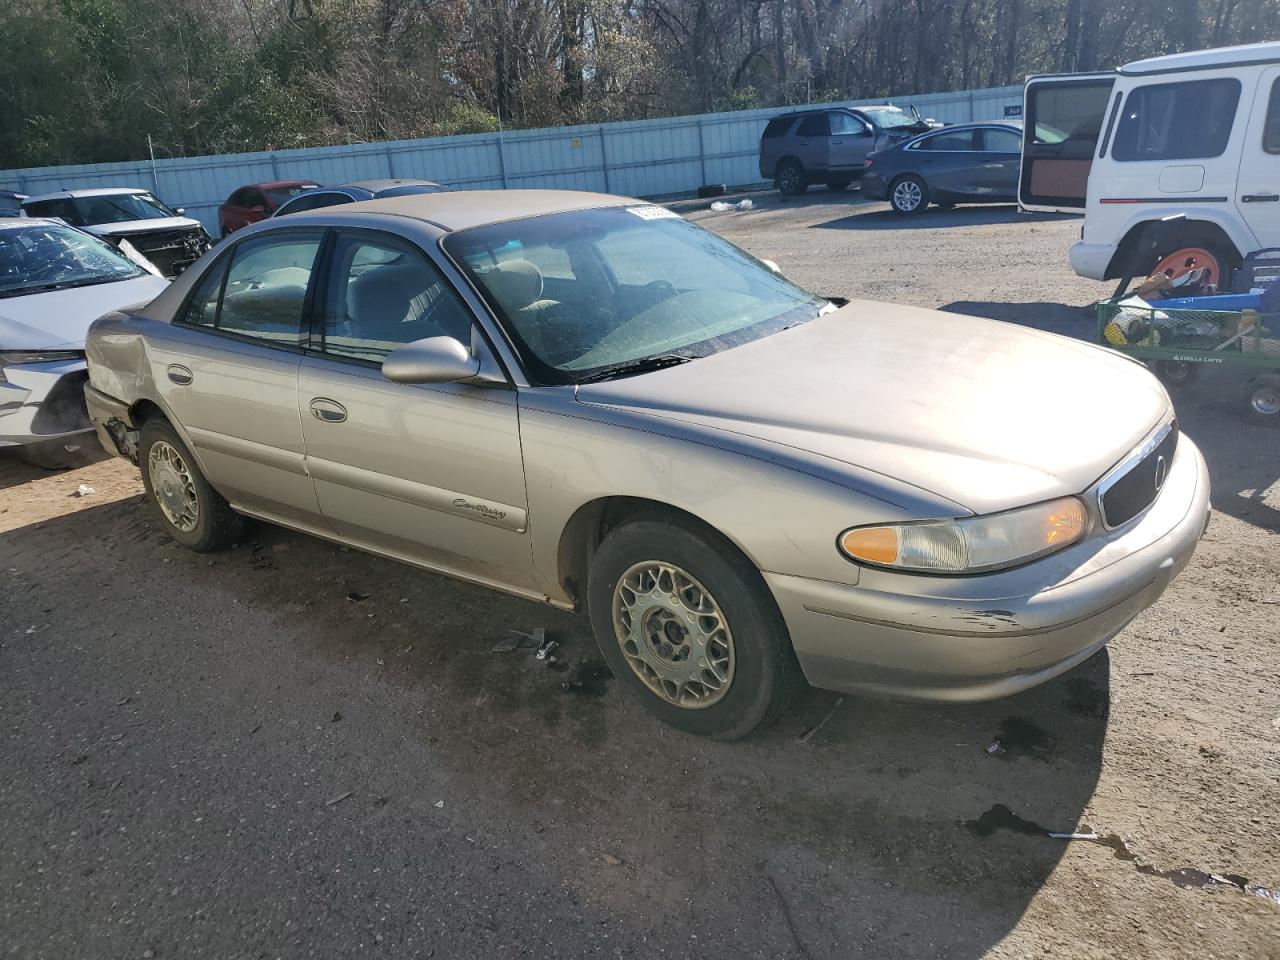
<point>133,227</point>
<point>61,318</point>
<point>989,415</point>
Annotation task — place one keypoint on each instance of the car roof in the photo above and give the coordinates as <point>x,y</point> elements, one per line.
<point>377,186</point>
<point>280,184</point>
<point>1205,59</point>
<point>464,209</point>
<point>96,192</point>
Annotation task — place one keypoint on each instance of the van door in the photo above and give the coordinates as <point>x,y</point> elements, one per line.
<point>1062,117</point>
<point>1258,186</point>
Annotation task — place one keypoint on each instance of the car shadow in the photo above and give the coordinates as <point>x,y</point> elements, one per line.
<point>936,218</point>
<point>1061,318</point>
<point>851,825</point>
<point>15,471</point>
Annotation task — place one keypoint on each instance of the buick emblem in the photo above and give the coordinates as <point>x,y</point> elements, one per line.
<point>1162,471</point>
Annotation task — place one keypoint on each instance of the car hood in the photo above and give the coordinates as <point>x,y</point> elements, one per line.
<point>988,415</point>
<point>132,227</point>
<point>61,318</point>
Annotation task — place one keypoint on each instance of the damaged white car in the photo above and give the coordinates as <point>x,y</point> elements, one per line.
<point>54,282</point>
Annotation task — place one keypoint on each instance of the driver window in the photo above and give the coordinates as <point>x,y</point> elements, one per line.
<point>846,124</point>
<point>383,293</point>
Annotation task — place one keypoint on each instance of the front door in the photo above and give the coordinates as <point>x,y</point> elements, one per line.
<point>227,368</point>
<point>430,473</point>
<point>1258,188</point>
<point>851,140</point>
<point>1061,121</point>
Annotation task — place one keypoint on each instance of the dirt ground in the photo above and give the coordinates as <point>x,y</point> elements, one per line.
<point>294,750</point>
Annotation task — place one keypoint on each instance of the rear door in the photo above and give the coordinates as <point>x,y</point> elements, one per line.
<point>1062,119</point>
<point>1258,187</point>
<point>812,139</point>
<point>949,161</point>
<point>1001,158</point>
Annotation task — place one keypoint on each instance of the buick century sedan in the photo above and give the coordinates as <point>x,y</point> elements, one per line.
<point>588,401</point>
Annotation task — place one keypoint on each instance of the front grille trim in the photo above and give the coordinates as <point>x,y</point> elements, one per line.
<point>1164,435</point>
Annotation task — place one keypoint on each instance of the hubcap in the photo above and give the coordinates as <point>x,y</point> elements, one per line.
<point>673,634</point>
<point>173,487</point>
<point>789,178</point>
<point>906,195</point>
<point>1266,401</point>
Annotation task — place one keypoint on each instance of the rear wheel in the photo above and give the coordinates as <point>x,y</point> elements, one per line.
<point>1264,401</point>
<point>195,514</point>
<point>688,626</point>
<point>792,180</point>
<point>909,195</point>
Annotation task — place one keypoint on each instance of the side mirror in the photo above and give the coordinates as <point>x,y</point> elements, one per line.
<point>433,360</point>
<point>772,266</point>
<point>180,211</point>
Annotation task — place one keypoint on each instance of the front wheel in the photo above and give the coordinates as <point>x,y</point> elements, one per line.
<point>792,180</point>
<point>688,626</point>
<point>194,514</point>
<point>909,195</point>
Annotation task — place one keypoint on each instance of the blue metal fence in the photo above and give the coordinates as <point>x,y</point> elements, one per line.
<point>641,158</point>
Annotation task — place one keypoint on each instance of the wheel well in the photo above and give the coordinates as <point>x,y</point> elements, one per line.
<point>592,521</point>
<point>144,410</point>
<point>1134,249</point>
<point>784,158</point>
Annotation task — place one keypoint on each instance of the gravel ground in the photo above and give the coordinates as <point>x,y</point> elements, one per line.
<point>227,757</point>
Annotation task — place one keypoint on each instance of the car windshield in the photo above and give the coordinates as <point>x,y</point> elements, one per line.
<point>46,256</point>
<point>279,195</point>
<point>120,208</point>
<point>890,118</point>
<point>589,293</point>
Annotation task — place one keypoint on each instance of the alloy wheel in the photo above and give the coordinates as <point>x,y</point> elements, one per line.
<point>1266,401</point>
<point>673,634</point>
<point>173,487</point>
<point>907,196</point>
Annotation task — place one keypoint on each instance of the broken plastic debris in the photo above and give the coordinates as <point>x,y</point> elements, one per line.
<point>439,804</point>
<point>338,799</point>
<point>995,746</point>
<point>84,490</point>
<point>546,648</point>
<point>746,205</point>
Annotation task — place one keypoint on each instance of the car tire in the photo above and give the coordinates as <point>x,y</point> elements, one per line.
<point>1176,374</point>
<point>792,180</point>
<point>1263,400</point>
<point>840,183</point>
<point>194,514</point>
<point>909,195</point>
<point>734,671</point>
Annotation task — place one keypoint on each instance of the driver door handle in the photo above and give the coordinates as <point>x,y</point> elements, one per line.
<point>1260,198</point>
<point>179,374</point>
<point>330,411</point>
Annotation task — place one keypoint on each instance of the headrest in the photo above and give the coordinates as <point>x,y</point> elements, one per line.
<point>374,296</point>
<point>515,283</point>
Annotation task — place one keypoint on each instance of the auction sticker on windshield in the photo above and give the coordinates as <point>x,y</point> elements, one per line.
<point>653,212</point>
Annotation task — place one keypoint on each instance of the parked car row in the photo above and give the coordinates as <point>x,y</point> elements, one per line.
<point>257,201</point>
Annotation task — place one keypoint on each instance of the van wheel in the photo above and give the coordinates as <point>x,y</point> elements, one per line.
<point>1216,261</point>
<point>688,626</point>
<point>193,513</point>
<point>792,180</point>
<point>909,195</point>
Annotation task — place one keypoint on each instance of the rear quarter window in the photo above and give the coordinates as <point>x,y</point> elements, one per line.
<point>815,125</point>
<point>1271,130</point>
<point>777,127</point>
<point>1188,120</point>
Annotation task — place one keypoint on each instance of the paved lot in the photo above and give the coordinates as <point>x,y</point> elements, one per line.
<point>226,757</point>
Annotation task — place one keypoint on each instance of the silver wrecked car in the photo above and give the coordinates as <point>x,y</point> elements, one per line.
<point>588,401</point>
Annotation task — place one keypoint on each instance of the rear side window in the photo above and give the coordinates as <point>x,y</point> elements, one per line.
<point>1271,131</point>
<point>777,127</point>
<point>1177,121</point>
<point>814,125</point>
<point>264,291</point>
<point>956,140</point>
<point>1001,141</point>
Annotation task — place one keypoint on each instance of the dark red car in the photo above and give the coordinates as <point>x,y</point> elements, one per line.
<point>257,201</point>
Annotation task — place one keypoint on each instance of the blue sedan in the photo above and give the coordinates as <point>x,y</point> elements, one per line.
<point>966,163</point>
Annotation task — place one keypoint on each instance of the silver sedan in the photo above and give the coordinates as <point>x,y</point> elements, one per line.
<point>588,401</point>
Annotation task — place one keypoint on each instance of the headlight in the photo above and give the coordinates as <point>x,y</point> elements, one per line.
<point>970,544</point>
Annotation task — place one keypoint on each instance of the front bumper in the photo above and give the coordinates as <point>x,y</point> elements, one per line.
<point>983,637</point>
<point>1090,260</point>
<point>42,401</point>
<point>874,186</point>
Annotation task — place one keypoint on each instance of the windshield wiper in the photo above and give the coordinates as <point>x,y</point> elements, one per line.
<point>643,365</point>
<point>58,285</point>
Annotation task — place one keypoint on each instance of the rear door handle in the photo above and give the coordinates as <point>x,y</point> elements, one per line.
<point>1260,198</point>
<point>179,374</point>
<point>330,411</point>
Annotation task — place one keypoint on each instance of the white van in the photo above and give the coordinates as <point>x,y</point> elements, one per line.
<point>1174,160</point>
